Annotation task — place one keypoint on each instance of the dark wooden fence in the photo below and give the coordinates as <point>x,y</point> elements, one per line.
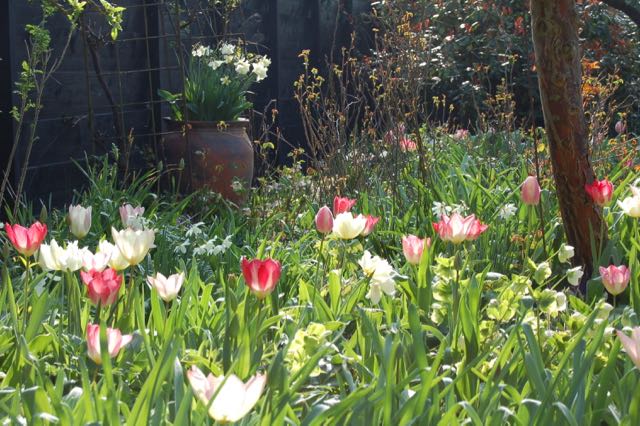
<point>106,90</point>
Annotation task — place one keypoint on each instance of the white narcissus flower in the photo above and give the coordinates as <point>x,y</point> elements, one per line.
<point>233,398</point>
<point>52,257</point>
<point>381,275</point>
<point>134,244</point>
<point>79,220</point>
<point>243,67</point>
<point>116,260</point>
<point>574,275</point>
<point>507,211</point>
<point>565,253</point>
<point>167,287</point>
<point>227,49</point>
<point>215,64</point>
<point>348,227</point>
<point>260,70</point>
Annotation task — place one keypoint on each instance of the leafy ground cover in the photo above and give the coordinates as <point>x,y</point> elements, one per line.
<point>325,325</point>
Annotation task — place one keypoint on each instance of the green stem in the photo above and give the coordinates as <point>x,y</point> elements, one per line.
<point>27,278</point>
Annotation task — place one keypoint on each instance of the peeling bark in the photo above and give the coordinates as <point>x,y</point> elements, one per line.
<point>557,50</point>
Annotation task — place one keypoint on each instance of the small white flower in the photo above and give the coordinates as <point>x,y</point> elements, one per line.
<point>566,252</point>
<point>574,275</point>
<point>440,209</point>
<point>243,67</point>
<point>260,71</point>
<point>225,80</point>
<point>194,230</point>
<point>215,64</point>
<point>507,211</point>
<point>227,49</point>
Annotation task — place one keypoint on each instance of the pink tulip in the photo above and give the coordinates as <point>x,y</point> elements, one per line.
<point>413,247</point>
<point>130,216</point>
<point>458,229</point>
<point>407,144</point>
<point>461,134</point>
<point>261,276</point>
<point>631,344</point>
<point>371,223</point>
<point>620,127</point>
<point>26,240</point>
<point>615,278</point>
<point>600,191</point>
<point>530,191</point>
<point>102,287</point>
<point>115,342</point>
<point>342,205</point>
<point>324,220</point>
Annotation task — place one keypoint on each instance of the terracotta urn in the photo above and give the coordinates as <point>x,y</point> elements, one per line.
<point>216,156</point>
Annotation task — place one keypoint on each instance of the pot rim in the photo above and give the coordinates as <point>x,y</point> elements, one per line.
<point>240,122</point>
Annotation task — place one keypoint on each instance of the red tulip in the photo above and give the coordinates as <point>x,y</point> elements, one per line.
<point>458,229</point>
<point>530,191</point>
<point>261,276</point>
<point>615,278</point>
<point>26,240</point>
<point>371,223</point>
<point>600,191</point>
<point>324,220</point>
<point>342,204</point>
<point>413,247</point>
<point>103,287</point>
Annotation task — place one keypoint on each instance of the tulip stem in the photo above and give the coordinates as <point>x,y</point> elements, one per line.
<point>27,277</point>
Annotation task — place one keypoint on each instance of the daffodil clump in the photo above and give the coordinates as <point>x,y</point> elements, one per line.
<point>217,82</point>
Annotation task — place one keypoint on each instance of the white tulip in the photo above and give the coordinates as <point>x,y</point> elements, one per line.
<point>133,244</point>
<point>167,287</point>
<point>79,220</point>
<point>348,227</point>
<point>233,398</point>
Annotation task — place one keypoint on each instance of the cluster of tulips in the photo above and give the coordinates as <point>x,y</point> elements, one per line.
<point>101,274</point>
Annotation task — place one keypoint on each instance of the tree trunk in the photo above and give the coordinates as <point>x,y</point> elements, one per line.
<point>557,49</point>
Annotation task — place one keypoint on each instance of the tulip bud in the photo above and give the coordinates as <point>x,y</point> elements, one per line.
<point>79,220</point>
<point>631,344</point>
<point>530,191</point>
<point>261,276</point>
<point>26,240</point>
<point>324,220</point>
<point>371,223</point>
<point>342,205</point>
<point>133,244</point>
<point>413,247</point>
<point>600,191</point>
<point>115,342</point>
<point>615,279</point>
<point>620,127</point>
<point>348,227</point>
<point>167,287</point>
<point>228,399</point>
<point>102,286</point>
